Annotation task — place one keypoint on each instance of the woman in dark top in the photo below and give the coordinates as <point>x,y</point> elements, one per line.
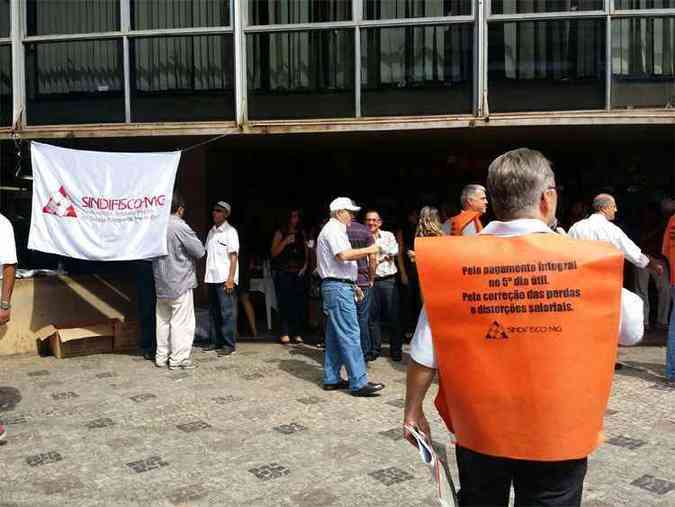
<point>289,265</point>
<point>410,287</point>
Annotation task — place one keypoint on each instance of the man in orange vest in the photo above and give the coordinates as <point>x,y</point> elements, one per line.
<point>524,343</point>
<point>467,222</point>
<point>669,251</point>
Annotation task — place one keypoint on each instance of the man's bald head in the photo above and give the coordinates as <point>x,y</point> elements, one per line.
<point>605,204</point>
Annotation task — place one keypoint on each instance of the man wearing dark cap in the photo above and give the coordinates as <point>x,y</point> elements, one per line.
<point>222,277</point>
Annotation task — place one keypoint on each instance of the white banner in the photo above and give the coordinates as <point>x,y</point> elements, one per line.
<point>101,206</point>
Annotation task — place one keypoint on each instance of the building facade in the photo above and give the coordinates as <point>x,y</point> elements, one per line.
<point>118,68</point>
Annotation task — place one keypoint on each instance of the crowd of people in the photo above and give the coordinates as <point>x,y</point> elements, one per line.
<point>366,274</point>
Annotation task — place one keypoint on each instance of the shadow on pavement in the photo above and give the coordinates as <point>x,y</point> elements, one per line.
<point>652,372</point>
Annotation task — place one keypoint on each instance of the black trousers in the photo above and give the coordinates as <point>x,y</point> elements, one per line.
<point>486,481</point>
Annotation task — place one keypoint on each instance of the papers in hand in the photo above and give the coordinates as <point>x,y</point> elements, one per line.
<point>445,488</point>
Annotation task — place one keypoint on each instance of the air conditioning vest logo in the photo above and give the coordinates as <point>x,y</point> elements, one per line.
<point>60,204</point>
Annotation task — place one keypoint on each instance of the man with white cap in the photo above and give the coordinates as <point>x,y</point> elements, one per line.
<point>338,270</point>
<point>222,277</point>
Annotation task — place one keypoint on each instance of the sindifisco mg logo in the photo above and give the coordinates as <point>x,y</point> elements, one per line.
<point>60,204</point>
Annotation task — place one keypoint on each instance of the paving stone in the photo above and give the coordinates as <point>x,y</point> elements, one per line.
<point>627,442</point>
<point>327,464</point>
<point>104,422</point>
<point>177,377</point>
<point>60,485</point>
<point>654,485</point>
<point>288,429</point>
<point>399,403</point>
<point>224,400</point>
<point>106,374</point>
<point>253,376</point>
<point>193,426</point>
<point>147,464</point>
<point>394,434</point>
<point>314,498</point>
<point>68,395</point>
<point>390,476</point>
<point>188,494</point>
<point>311,400</point>
<point>38,373</point>
<point>269,472</point>
<point>139,398</point>
<point>13,420</point>
<point>44,458</point>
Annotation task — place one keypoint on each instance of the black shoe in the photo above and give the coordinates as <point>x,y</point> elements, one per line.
<point>148,355</point>
<point>225,351</point>
<point>396,357</point>
<point>212,347</point>
<point>370,389</point>
<point>343,384</point>
<point>618,366</point>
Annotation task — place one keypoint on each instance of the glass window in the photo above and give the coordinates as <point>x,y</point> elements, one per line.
<point>643,62</point>
<point>5,85</point>
<point>284,12</point>
<point>546,65</point>
<point>4,18</point>
<point>643,4</point>
<point>160,14</point>
<point>54,17</point>
<point>182,78</point>
<point>74,82</point>
<point>528,6</point>
<point>417,70</point>
<point>301,74</point>
<point>396,9</point>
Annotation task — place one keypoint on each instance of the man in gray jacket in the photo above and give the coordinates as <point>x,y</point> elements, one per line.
<point>175,278</point>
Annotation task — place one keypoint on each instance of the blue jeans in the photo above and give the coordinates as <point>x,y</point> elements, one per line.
<point>670,350</point>
<point>386,310</point>
<point>290,290</point>
<point>223,309</point>
<point>343,342</point>
<point>363,316</point>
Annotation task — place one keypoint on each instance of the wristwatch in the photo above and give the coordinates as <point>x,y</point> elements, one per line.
<point>4,305</point>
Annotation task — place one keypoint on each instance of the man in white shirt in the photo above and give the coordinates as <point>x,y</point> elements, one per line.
<point>522,189</point>
<point>599,227</point>
<point>222,277</point>
<point>338,270</point>
<point>8,261</point>
<point>385,303</point>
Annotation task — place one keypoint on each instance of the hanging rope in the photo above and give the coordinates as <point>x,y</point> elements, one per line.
<point>213,139</point>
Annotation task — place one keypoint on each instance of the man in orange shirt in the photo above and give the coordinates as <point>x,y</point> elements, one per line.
<point>669,251</point>
<point>467,222</point>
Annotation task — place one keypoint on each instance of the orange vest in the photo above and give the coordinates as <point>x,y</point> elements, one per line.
<point>669,247</point>
<point>465,217</point>
<point>525,332</point>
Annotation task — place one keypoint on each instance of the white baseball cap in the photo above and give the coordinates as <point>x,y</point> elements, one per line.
<point>224,205</point>
<point>343,203</point>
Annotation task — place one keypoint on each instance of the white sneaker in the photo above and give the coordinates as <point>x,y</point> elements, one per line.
<point>185,365</point>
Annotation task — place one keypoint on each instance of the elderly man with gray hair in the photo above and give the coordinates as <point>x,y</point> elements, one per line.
<point>467,222</point>
<point>502,440</point>
<point>599,227</point>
